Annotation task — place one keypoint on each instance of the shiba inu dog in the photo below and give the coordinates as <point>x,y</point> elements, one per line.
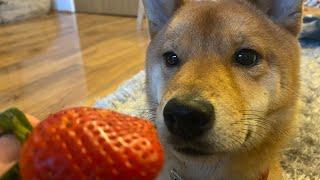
<point>222,81</point>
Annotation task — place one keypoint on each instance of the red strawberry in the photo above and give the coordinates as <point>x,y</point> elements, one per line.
<point>89,143</point>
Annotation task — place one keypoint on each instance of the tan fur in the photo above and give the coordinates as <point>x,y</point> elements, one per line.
<point>262,99</point>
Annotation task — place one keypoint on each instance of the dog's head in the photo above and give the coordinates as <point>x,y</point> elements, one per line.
<point>218,71</point>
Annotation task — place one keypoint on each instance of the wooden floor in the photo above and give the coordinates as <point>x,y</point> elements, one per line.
<point>64,60</point>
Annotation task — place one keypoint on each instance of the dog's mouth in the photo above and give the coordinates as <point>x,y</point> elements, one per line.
<point>191,151</point>
<point>191,147</point>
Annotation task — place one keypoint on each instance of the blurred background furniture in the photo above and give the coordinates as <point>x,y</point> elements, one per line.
<point>113,7</point>
<point>110,7</point>
<point>17,10</point>
<point>140,16</point>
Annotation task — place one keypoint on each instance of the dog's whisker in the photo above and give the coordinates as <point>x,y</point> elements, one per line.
<point>249,120</point>
<point>262,126</point>
<point>274,134</point>
<point>250,114</point>
<point>260,121</point>
<point>238,142</point>
<point>245,131</point>
<point>248,110</point>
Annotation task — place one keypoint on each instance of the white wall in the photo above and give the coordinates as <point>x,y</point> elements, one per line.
<point>64,5</point>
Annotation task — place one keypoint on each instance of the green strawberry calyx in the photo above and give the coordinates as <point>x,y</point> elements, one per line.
<point>13,121</point>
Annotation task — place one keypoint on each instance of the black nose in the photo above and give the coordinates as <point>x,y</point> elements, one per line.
<point>188,118</point>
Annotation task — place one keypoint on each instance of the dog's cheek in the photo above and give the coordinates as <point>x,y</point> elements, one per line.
<point>229,131</point>
<point>270,91</point>
<point>256,93</point>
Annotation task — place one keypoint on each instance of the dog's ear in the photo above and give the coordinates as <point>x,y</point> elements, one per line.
<point>159,12</point>
<point>287,13</point>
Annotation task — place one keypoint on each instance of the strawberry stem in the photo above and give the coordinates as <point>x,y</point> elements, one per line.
<point>14,121</point>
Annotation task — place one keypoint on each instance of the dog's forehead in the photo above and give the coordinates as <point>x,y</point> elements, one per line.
<point>216,16</point>
<point>216,23</point>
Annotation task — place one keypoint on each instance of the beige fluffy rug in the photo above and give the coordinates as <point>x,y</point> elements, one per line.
<point>301,161</point>
<point>17,10</point>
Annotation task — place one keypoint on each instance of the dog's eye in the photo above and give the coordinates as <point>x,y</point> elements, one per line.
<point>171,59</point>
<point>247,57</point>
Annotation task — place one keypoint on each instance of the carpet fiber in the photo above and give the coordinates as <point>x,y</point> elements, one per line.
<point>301,161</point>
